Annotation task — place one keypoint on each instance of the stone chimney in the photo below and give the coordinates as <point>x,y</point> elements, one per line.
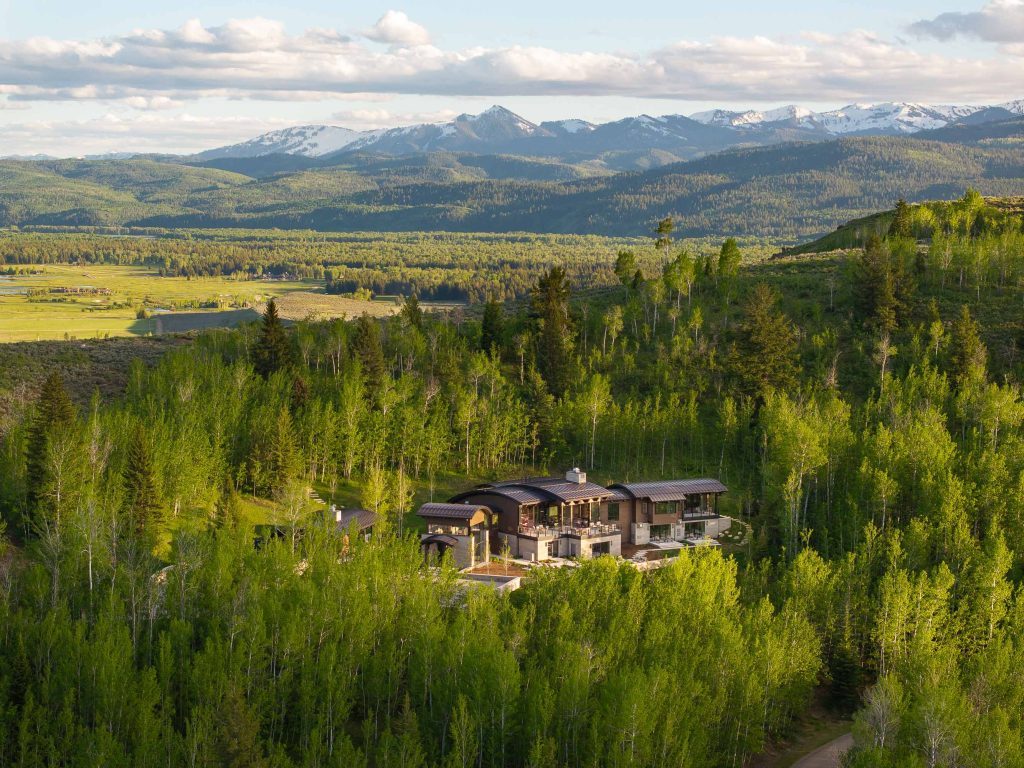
<point>574,475</point>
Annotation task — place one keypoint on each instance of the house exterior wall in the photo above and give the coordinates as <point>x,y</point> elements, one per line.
<point>583,548</point>
<point>626,515</point>
<point>641,534</point>
<point>506,508</point>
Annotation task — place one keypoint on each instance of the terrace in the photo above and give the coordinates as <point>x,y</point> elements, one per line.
<point>581,530</point>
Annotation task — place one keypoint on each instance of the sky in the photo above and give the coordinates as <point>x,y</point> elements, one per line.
<point>182,76</point>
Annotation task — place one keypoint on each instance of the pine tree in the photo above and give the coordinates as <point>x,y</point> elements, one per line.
<point>492,330</point>
<point>228,510</point>
<point>550,307</point>
<point>284,457</point>
<point>370,349</point>
<point>766,347</point>
<point>874,288</point>
<point>273,352</point>
<point>141,499</point>
<point>902,220</point>
<point>412,313</point>
<point>663,233</point>
<point>968,351</point>
<point>238,733</point>
<point>53,410</point>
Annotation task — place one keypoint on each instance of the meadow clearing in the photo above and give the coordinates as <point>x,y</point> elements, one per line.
<point>61,301</point>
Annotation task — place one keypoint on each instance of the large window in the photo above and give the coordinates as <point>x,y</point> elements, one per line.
<point>613,511</point>
<point>661,532</point>
<point>552,515</point>
<point>666,508</point>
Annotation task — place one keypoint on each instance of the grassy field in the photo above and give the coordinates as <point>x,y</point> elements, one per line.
<point>33,306</point>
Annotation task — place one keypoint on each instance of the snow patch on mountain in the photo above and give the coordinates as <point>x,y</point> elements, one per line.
<point>305,140</point>
<point>887,117</point>
<point>574,126</point>
<point>499,129</point>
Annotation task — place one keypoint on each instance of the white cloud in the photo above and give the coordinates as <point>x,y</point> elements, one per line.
<point>365,119</point>
<point>1000,21</point>
<point>153,69</point>
<point>396,28</point>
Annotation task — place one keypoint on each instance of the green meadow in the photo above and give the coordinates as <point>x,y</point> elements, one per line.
<point>108,300</point>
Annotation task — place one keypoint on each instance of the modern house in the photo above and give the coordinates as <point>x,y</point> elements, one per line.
<point>538,518</point>
<point>463,529</point>
<point>542,517</point>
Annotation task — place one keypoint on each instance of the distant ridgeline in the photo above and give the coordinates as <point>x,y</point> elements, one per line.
<point>787,192</point>
<point>971,216</point>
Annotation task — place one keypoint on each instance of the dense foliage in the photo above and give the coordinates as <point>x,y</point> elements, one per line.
<point>864,410</point>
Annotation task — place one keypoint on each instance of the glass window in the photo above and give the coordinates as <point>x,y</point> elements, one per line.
<point>666,508</point>
<point>613,511</point>
<point>661,532</point>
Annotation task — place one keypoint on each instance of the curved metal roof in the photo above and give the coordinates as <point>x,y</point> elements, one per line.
<point>516,493</point>
<point>556,488</point>
<point>450,511</point>
<point>671,490</point>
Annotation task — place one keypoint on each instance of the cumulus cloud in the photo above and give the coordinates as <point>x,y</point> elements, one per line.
<point>396,28</point>
<point>258,59</point>
<point>1001,21</point>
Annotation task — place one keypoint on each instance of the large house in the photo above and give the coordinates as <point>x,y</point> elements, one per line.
<point>539,518</point>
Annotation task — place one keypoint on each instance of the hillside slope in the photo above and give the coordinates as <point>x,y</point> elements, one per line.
<point>786,192</point>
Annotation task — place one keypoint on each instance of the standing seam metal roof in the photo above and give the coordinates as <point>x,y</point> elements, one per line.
<point>671,490</point>
<point>557,489</point>
<point>456,511</point>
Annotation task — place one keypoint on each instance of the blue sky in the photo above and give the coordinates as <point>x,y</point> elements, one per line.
<point>186,75</point>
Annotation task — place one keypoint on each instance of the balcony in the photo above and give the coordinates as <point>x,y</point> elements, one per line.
<point>580,530</point>
<point>698,514</point>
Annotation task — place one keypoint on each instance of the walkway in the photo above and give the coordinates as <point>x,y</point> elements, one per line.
<point>827,756</point>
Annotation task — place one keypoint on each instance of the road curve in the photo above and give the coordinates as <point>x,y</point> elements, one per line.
<point>827,756</point>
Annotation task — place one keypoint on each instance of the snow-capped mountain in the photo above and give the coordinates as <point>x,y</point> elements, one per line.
<point>305,140</point>
<point>568,127</point>
<point>726,119</point>
<point>499,131</point>
<point>886,118</point>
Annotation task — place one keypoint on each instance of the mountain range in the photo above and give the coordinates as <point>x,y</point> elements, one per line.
<point>488,173</point>
<point>642,141</point>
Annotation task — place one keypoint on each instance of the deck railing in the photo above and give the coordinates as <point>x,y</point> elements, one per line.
<point>581,530</point>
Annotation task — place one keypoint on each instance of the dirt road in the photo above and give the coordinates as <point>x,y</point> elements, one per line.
<point>827,756</point>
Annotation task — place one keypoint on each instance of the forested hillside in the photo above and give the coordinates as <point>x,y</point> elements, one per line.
<point>786,192</point>
<point>863,408</point>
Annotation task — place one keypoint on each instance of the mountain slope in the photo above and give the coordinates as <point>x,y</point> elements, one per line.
<point>304,140</point>
<point>786,192</point>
